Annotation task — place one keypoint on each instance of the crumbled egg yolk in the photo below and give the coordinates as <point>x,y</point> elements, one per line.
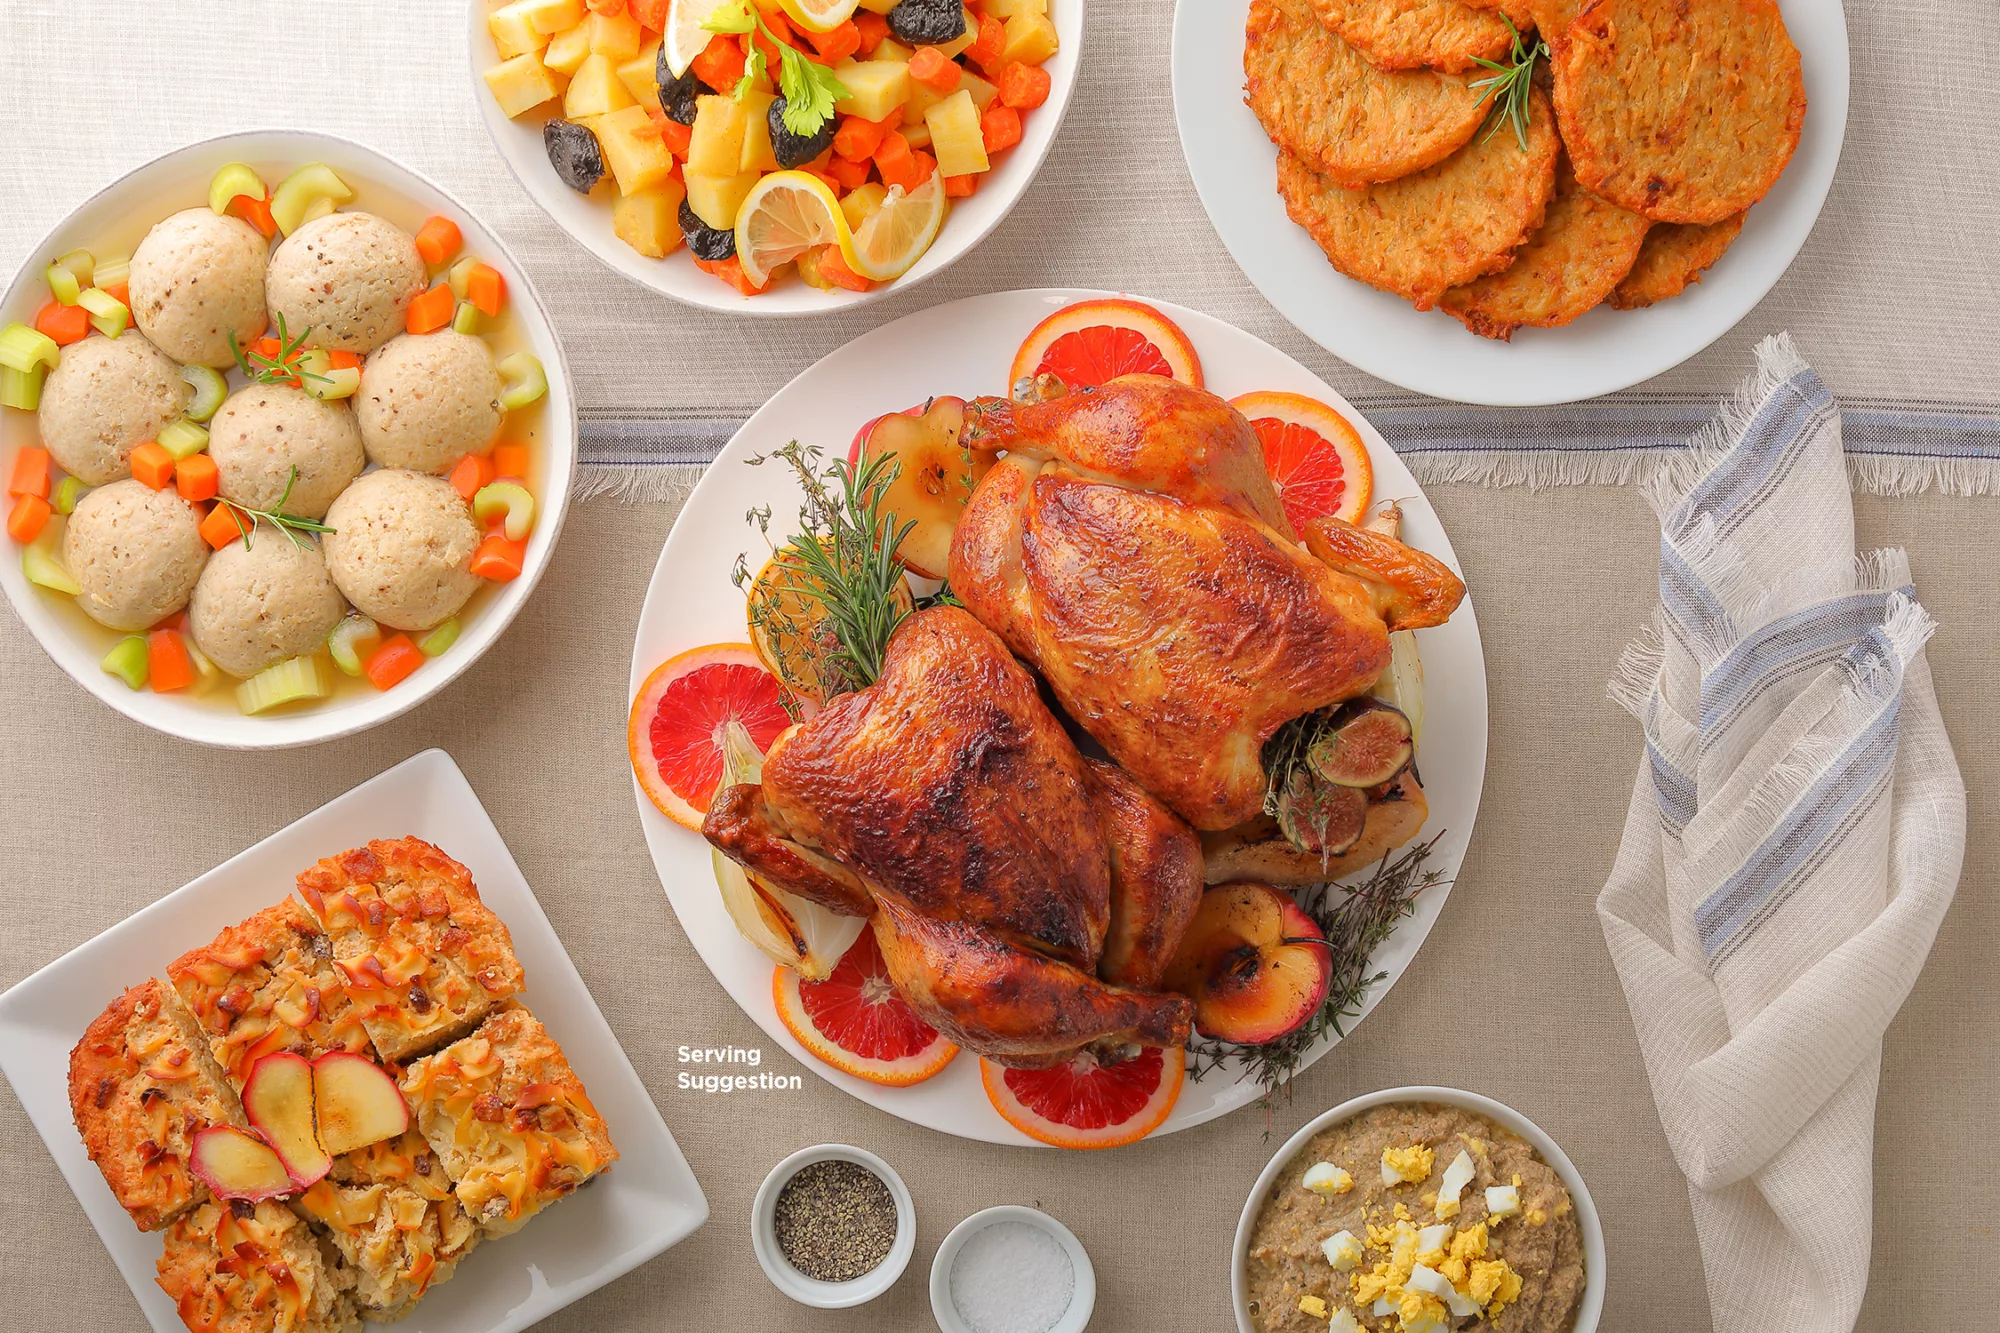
<point>1326,1179</point>
<point>1492,1283</point>
<point>1312,1305</point>
<point>1406,1165</point>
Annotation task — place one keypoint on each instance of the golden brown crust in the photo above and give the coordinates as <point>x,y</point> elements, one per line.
<point>1258,850</point>
<point>265,985</point>
<point>1438,228</point>
<point>509,1119</point>
<point>424,960</point>
<point>141,1085</point>
<point>1579,253</point>
<point>1417,34</point>
<point>1681,110</point>
<point>1155,877</point>
<point>239,1268</point>
<point>390,1212</point>
<point>1319,99</point>
<point>1674,256</point>
<point>1550,17</point>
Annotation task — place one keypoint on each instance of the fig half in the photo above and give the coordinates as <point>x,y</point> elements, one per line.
<point>1321,817</point>
<point>1368,746</point>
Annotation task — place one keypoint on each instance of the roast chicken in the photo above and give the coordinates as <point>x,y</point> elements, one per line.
<point>1131,546</point>
<point>1026,900</point>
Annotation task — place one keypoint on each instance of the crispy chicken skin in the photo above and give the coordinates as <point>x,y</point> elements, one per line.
<point>1131,546</point>
<point>1156,878</point>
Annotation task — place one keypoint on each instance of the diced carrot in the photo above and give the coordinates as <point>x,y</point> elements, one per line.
<point>177,621</point>
<point>676,136</point>
<point>267,347</point>
<point>857,139</point>
<point>1000,127</point>
<point>431,311</point>
<point>343,360</point>
<point>64,324</point>
<point>196,477</point>
<point>934,69</point>
<point>827,178</point>
<point>510,460</point>
<point>986,47</point>
<point>392,663</point>
<point>486,289</point>
<point>121,292</point>
<point>650,13</point>
<point>153,466</point>
<point>837,45</point>
<point>1024,86</point>
<point>256,212</point>
<point>720,64</point>
<point>730,270</point>
<point>27,518</point>
<point>31,472</point>
<point>438,240</point>
<point>608,8</point>
<point>896,162</point>
<point>219,528</point>
<point>833,267</point>
<point>960,187</point>
<point>925,166</point>
<point>472,472</point>
<point>168,666</point>
<point>499,559</point>
<point>872,28</point>
<point>851,175</point>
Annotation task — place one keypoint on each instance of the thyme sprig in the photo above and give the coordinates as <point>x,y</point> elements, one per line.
<point>284,368</point>
<point>1509,85</point>
<point>289,524</point>
<point>1292,791</point>
<point>1357,920</point>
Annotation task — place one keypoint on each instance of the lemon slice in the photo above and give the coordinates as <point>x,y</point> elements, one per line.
<point>820,15</point>
<point>786,214</point>
<point>896,235</point>
<point>685,38</point>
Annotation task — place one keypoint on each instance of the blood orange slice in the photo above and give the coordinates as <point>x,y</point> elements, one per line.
<point>1315,455</point>
<point>681,718</point>
<point>1083,1104</point>
<point>857,1022</point>
<point>1093,341</point>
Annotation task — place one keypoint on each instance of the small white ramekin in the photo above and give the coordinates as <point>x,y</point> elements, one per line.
<point>1083,1298</point>
<point>811,1291</point>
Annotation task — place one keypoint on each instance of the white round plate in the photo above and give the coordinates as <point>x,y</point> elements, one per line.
<point>1235,170</point>
<point>587,218</point>
<point>965,348</point>
<point>114,220</point>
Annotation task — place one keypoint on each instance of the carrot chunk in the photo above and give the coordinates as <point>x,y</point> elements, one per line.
<point>720,64</point>
<point>851,175</point>
<point>27,518</point>
<point>64,324</point>
<point>960,187</point>
<point>153,466</point>
<point>31,472</point>
<point>730,270</point>
<point>499,559</point>
<point>857,139</point>
<point>392,663</point>
<point>833,267</point>
<point>431,311</point>
<point>219,528</point>
<point>196,478</point>
<point>472,472</point>
<point>677,137</point>
<point>510,460</point>
<point>256,212</point>
<point>1000,127</point>
<point>438,240</point>
<point>1024,86</point>
<point>934,69</point>
<point>872,28</point>
<point>486,289</point>
<point>837,45</point>
<point>168,666</point>
<point>896,162</point>
<point>986,47</point>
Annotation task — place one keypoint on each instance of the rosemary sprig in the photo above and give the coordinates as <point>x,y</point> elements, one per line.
<point>1509,86</point>
<point>289,524</point>
<point>281,369</point>
<point>1356,920</point>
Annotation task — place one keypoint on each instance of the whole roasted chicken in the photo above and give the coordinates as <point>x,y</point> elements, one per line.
<point>1025,899</point>
<point>1131,546</point>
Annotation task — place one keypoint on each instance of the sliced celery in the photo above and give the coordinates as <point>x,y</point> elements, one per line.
<point>182,439</point>
<point>127,661</point>
<point>509,500</point>
<point>353,640</point>
<point>45,569</point>
<point>209,391</point>
<point>21,389</point>
<point>233,180</point>
<point>108,315</point>
<point>526,381</point>
<point>25,349</point>
<point>465,319</point>
<point>63,285</point>
<point>111,272</point>
<point>440,639</point>
<point>67,494</point>
<point>207,675</point>
<point>460,274</point>
<point>313,185</point>
<point>82,267</point>
<point>288,682</point>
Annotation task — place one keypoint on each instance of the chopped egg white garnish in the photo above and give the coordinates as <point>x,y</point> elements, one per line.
<point>1434,1238</point>
<point>1342,1250</point>
<point>1383,1306</point>
<point>1502,1201</point>
<point>1456,1177</point>
<point>1324,1178</point>
<point>1434,1283</point>
<point>1343,1321</point>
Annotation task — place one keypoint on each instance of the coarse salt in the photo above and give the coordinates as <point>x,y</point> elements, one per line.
<point>1012,1278</point>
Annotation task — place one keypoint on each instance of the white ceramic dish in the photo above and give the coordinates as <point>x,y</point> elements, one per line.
<point>1234,166</point>
<point>588,218</point>
<point>1083,1297</point>
<point>1588,1312</point>
<point>647,1202</point>
<point>812,1291</point>
<point>965,347</point>
<point>120,215</point>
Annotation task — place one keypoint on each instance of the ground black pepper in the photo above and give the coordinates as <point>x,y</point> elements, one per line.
<point>835,1220</point>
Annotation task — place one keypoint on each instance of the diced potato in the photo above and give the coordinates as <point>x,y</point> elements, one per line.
<point>874,87</point>
<point>568,49</point>
<point>878,6</point>
<point>956,141</point>
<point>640,74</point>
<point>632,149</point>
<point>917,135</point>
<point>550,17</point>
<point>514,32</point>
<point>758,155</point>
<point>615,35</point>
<point>520,84</point>
<point>808,266</point>
<point>594,90</point>
<point>715,199</point>
<point>649,221</point>
<point>1031,39</point>
<point>715,148</point>
<point>891,49</point>
<point>964,39</point>
<point>861,202</point>
<point>982,92</point>
<point>1006,9</point>
<point>921,99</point>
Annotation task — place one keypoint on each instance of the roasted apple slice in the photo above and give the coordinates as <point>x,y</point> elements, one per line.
<point>278,1098</point>
<point>934,479</point>
<point>1368,745</point>
<point>1255,965</point>
<point>236,1165</point>
<point>355,1102</point>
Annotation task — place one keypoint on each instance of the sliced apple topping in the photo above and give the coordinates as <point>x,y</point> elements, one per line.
<point>1255,965</point>
<point>357,1102</point>
<point>278,1098</point>
<point>934,478</point>
<point>236,1165</point>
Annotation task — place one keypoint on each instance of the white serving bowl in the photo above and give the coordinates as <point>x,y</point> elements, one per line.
<point>1083,1297</point>
<point>1588,1311</point>
<point>811,1291</point>
<point>588,218</point>
<point>118,216</point>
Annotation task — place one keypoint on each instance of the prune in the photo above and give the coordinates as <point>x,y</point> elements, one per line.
<point>706,242</point>
<point>928,22</point>
<point>574,153</point>
<point>677,94</point>
<point>793,150</point>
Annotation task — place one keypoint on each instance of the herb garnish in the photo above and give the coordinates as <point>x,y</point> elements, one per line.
<point>284,368</point>
<point>809,87</point>
<point>1509,85</point>
<point>1357,920</point>
<point>289,524</point>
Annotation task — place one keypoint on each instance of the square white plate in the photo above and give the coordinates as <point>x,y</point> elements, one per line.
<point>647,1202</point>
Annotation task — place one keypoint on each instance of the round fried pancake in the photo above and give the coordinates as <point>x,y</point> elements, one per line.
<point>1440,227</point>
<point>1683,110</point>
<point>1571,263</point>
<point>1418,34</point>
<point>1521,13</point>
<point>1674,255</point>
<point>1319,99</point>
<point>1551,18</point>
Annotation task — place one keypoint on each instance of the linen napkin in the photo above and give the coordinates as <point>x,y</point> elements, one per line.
<point>1793,842</point>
